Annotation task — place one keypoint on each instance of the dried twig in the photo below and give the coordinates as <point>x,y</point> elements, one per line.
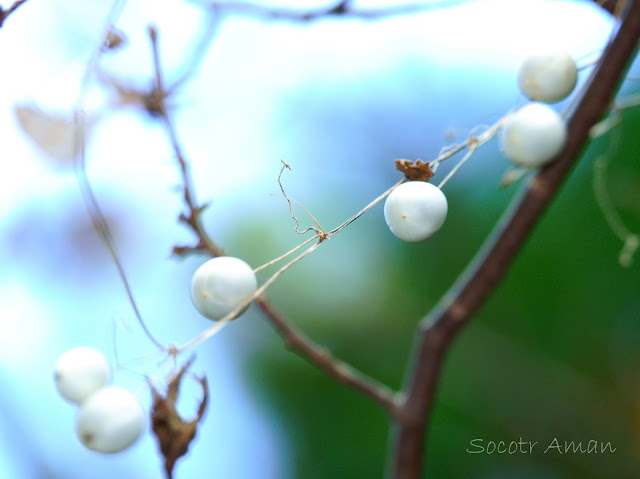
<point>296,340</point>
<point>342,9</point>
<point>437,331</point>
<point>194,211</point>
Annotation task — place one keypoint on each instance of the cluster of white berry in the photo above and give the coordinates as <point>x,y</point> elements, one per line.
<point>535,133</point>
<point>109,418</point>
<point>531,136</point>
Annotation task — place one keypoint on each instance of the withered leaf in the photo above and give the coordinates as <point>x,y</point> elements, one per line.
<point>418,171</point>
<point>53,134</point>
<point>115,39</point>
<point>173,433</point>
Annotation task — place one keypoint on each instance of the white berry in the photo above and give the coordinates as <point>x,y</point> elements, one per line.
<point>79,372</point>
<point>415,211</point>
<point>533,135</point>
<point>110,420</point>
<point>548,77</point>
<point>221,285</point>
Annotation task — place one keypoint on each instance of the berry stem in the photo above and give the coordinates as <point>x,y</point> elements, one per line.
<point>281,257</point>
<point>364,210</point>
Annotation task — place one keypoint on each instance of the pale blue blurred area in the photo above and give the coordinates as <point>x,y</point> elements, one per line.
<point>336,99</point>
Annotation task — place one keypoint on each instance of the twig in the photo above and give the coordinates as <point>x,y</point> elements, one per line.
<point>437,331</point>
<point>342,9</point>
<point>374,202</point>
<point>192,218</point>
<point>102,226</point>
<point>282,256</point>
<point>335,368</point>
<point>302,345</point>
<point>5,13</point>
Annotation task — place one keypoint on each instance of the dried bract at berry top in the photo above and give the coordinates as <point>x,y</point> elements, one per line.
<point>418,171</point>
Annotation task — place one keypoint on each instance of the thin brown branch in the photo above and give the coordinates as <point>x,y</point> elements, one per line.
<point>342,9</point>
<point>437,331</point>
<point>336,369</point>
<point>99,221</point>
<point>193,217</point>
<point>101,224</point>
<point>5,13</point>
<point>296,340</point>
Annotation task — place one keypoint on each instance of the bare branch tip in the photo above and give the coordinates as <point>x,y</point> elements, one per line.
<point>153,33</point>
<point>198,211</point>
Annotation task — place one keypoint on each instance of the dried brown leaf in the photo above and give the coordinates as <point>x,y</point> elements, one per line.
<point>174,434</point>
<point>52,134</point>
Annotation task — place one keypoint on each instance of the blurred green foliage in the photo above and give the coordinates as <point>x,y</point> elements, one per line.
<point>553,354</point>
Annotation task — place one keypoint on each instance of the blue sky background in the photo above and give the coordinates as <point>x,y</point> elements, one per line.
<point>311,94</point>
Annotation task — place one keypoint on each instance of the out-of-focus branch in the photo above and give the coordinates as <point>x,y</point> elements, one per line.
<point>295,339</point>
<point>193,216</point>
<point>340,9</point>
<point>437,331</point>
<point>611,6</point>
<point>5,13</point>
<point>194,61</point>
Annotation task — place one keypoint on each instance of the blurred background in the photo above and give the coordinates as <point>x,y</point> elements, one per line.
<point>553,355</point>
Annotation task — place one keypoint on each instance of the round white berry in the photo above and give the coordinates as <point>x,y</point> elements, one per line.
<point>79,372</point>
<point>533,135</point>
<point>415,210</point>
<point>221,285</point>
<point>548,77</point>
<point>110,420</point>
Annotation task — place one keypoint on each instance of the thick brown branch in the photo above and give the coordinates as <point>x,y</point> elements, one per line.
<point>296,340</point>
<point>437,331</point>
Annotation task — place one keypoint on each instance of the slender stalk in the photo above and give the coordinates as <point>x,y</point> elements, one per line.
<point>283,256</point>
<point>99,221</point>
<point>365,209</point>
<point>102,226</point>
